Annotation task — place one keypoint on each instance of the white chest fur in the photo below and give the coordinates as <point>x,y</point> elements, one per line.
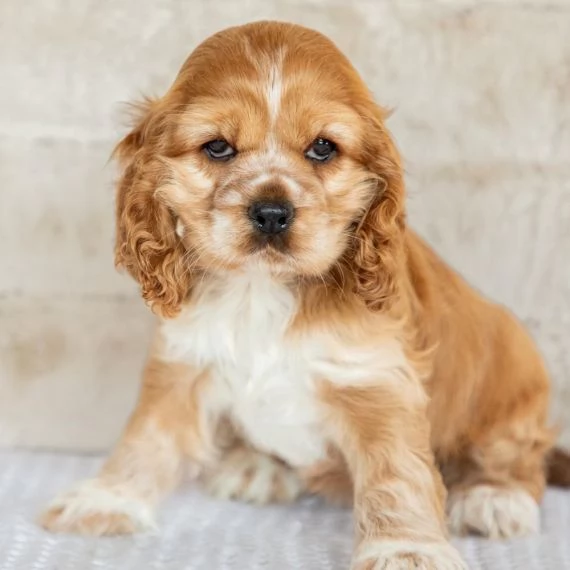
<point>237,329</point>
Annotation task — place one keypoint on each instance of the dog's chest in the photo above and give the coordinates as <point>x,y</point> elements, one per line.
<point>263,379</point>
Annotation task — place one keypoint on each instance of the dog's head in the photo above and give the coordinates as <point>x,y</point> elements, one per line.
<point>267,150</point>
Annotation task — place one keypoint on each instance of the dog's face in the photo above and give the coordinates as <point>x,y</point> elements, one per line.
<point>270,171</point>
<point>267,150</point>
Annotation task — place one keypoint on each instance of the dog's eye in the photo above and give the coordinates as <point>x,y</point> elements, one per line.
<point>219,150</point>
<point>321,150</point>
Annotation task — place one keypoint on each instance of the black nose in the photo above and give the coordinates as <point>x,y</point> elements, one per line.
<point>271,217</point>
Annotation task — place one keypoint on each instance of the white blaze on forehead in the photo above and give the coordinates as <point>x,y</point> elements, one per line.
<point>270,69</point>
<point>274,89</point>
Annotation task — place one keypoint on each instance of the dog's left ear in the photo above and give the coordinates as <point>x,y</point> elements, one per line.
<point>378,255</point>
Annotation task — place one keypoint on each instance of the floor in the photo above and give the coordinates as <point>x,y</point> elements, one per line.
<point>198,533</point>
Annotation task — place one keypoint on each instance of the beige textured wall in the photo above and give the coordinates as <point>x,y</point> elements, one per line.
<point>482,98</point>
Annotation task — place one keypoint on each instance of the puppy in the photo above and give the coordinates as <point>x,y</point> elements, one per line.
<point>307,339</point>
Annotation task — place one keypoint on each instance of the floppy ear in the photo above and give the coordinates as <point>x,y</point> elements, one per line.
<point>378,256</point>
<point>146,241</point>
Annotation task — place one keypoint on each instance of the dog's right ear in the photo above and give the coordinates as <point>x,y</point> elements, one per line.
<point>146,241</point>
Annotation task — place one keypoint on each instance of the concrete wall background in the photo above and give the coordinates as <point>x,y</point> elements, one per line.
<point>481,92</point>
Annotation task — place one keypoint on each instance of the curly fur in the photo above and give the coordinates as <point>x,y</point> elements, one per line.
<point>378,257</point>
<point>146,243</point>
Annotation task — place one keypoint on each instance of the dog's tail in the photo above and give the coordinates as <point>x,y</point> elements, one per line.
<point>558,468</point>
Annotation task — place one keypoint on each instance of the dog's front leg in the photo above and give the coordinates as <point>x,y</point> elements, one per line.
<point>399,497</point>
<point>165,427</point>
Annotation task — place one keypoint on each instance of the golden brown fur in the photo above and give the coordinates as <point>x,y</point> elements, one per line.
<point>456,392</point>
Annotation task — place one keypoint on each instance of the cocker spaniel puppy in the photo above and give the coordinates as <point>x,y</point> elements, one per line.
<point>307,339</point>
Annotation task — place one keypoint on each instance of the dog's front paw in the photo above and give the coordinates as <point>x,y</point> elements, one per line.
<point>97,510</point>
<point>493,512</point>
<point>248,475</point>
<point>403,555</point>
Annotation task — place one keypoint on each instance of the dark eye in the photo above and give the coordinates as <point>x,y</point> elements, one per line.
<point>219,150</point>
<point>321,150</point>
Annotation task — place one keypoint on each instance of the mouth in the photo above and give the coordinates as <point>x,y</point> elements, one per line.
<point>274,253</point>
<point>277,244</point>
